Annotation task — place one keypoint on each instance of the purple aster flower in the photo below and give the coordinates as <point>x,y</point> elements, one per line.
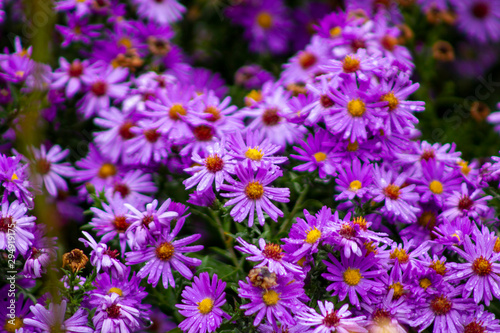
<point>105,84</point>
<point>163,11</point>
<point>116,315</point>
<point>320,98</point>
<point>41,254</point>
<point>69,76</point>
<point>479,15</point>
<point>17,69</point>
<point>270,255</point>
<point>206,82</point>
<point>14,178</point>
<point>144,225</point>
<point>390,315</point>
<point>437,182</point>
<point>103,257</point>
<point>132,185</point>
<point>479,321</point>
<point>78,30</point>
<point>113,142</point>
<point>443,309</point>
<point>253,148</point>
<point>462,204</point>
<point>14,322</point>
<point>147,145</point>
<point>481,269</point>
<point>111,220</point>
<point>274,303</point>
<point>54,318</point>
<point>253,193</point>
<point>331,320</point>
<point>354,181</point>
<point>306,235</point>
<point>204,198</point>
<point>316,152</point>
<point>353,276</point>
<point>401,253</point>
<point>453,232</point>
<point>201,304</point>
<point>399,201</point>
<point>165,253</point>
<point>81,7</point>
<point>15,223</point>
<point>359,65</point>
<point>47,169</point>
<point>215,167</point>
<point>354,112</point>
<point>425,151</point>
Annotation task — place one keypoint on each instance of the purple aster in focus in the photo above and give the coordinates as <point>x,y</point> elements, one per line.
<point>354,113</point>
<point>423,150</point>
<point>215,167</point>
<point>41,253</point>
<point>316,152</point>
<point>444,309</point>
<point>145,224</point>
<point>479,19</point>
<point>399,199</point>
<point>201,304</point>
<point>165,253</point>
<point>131,186</point>
<point>53,318</point>
<point>254,149</point>
<point>148,145</point>
<point>116,315</point>
<point>48,170</point>
<point>306,235</point>
<point>331,320</point>
<point>354,181</point>
<point>353,276</point>
<point>103,257</point>
<point>274,303</point>
<point>437,182</point>
<point>401,254</point>
<point>461,204</point>
<point>160,11</point>
<point>14,221</point>
<point>358,65</point>
<point>481,269</point>
<point>111,221</point>
<point>105,84</point>
<point>253,193</point>
<point>270,255</point>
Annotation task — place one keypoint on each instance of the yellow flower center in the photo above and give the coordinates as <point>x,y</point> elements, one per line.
<point>264,20</point>
<point>352,276</point>
<point>436,187</point>
<point>392,191</point>
<point>301,261</point>
<point>481,266</point>
<point>319,156</point>
<point>106,170</point>
<point>116,291</point>
<point>205,306</point>
<point>361,221</point>
<point>214,163</point>
<point>496,248</point>
<point>254,190</point>
<point>398,290</point>
<point>438,266</point>
<point>313,235</point>
<point>355,185</point>
<point>464,167</point>
<point>400,254</point>
<point>20,73</point>
<point>392,99</point>
<point>124,41</point>
<point>255,154</point>
<point>356,107</point>
<point>176,111</point>
<point>335,31</point>
<point>165,251</point>
<point>9,327</point>
<point>270,297</point>
<point>350,64</point>
<point>254,95</point>
<point>424,283</point>
<point>14,177</point>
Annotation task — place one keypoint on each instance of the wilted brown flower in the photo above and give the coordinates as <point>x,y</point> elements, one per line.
<point>75,259</point>
<point>479,111</point>
<point>443,51</point>
<point>262,277</point>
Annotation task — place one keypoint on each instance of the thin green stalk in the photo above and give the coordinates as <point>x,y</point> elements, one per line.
<point>227,240</point>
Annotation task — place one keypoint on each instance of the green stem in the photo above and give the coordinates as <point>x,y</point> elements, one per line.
<point>298,204</point>
<point>228,241</point>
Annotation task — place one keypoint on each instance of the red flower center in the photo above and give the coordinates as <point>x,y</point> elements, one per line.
<point>441,305</point>
<point>392,191</point>
<point>214,163</point>
<point>465,203</point>
<point>113,254</point>
<point>480,10</point>
<point>124,130</point>
<point>75,69</point>
<point>481,266</point>
<point>307,59</point>
<point>42,166</point>
<point>123,189</point>
<point>326,101</point>
<point>113,311</point>
<point>6,224</point>
<point>152,135</point>
<point>273,251</point>
<point>475,327</point>
<point>99,88</point>
<point>120,223</point>
<point>427,155</point>
<point>331,319</point>
<point>270,117</point>
<point>203,133</point>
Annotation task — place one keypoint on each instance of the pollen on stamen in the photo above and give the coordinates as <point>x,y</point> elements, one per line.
<point>436,187</point>
<point>254,190</point>
<point>355,185</point>
<point>273,251</point>
<point>439,267</point>
<point>392,191</point>
<point>313,235</point>
<point>350,64</point>
<point>319,156</point>
<point>481,266</point>
<point>270,297</point>
<point>392,99</point>
<point>356,107</point>
<point>205,306</point>
<point>441,305</point>
<point>214,113</point>
<point>255,154</point>
<point>352,276</point>
<point>361,222</point>
<point>214,163</point>
<point>307,59</point>
<point>176,111</point>
<point>400,254</point>
<point>165,251</point>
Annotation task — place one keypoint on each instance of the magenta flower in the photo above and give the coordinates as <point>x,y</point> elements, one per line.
<point>201,304</point>
<point>69,76</point>
<point>40,255</point>
<point>215,167</point>
<point>479,19</point>
<point>270,255</point>
<point>462,204</point>
<point>103,257</point>
<point>81,7</point>
<point>354,181</point>
<point>14,178</point>
<point>148,145</point>
<point>116,315</point>
<point>15,223</point>
<point>165,253</point>
<point>54,318</point>
<point>163,12</point>
<point>252,193</point>
<point>331,320</point>
<point>132,185</point>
